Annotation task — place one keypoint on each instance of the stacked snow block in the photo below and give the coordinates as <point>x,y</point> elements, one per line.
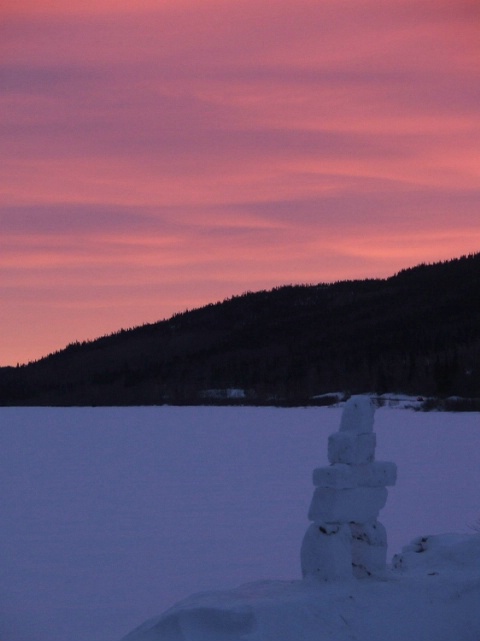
<point>345,537</point>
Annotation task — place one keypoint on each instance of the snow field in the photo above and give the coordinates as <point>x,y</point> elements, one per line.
<point>111,515</point>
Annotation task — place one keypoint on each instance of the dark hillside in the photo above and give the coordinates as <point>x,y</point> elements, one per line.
<point>416,332</point>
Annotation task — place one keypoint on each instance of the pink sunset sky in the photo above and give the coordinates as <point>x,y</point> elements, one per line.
<point>159,155</point>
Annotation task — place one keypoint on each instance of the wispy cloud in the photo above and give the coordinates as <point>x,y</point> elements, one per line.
<point>161,155</point>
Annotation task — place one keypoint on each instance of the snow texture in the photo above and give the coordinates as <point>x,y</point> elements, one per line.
<point>378,474</point>
<point>442,553</point>
<point>351,448</point>
<point>359,504</point>
<point>369,549</point>
<point>358,415</point>
<point>111,515</point>
<point>326,551</point>
<point>436,600</point>
<point>341,476</point>
<point>431,591</point>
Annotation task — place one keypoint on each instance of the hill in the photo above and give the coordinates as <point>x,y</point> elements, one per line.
<point>415,332</point>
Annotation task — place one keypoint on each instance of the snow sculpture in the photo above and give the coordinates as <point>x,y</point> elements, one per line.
<point>345,537</point>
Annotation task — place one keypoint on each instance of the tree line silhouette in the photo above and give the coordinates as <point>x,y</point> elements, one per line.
<point>417,332</point>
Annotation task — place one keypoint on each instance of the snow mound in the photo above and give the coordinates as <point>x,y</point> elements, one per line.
<point>434,597</point>
<point>440,553</point>
<point>400,401</point>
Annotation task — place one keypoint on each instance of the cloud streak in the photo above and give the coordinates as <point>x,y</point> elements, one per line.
<point>168,154</point>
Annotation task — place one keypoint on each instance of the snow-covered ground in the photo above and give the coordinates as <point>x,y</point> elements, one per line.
<point>110,516</point>
<point>437,599</point>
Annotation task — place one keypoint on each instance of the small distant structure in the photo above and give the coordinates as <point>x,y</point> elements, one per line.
<point>345,538</point>
<point>224,394</point>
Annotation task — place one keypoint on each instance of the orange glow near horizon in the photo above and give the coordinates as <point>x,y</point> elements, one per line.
<point>161,155</point>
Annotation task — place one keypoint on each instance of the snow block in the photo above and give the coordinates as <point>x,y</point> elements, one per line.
<point>326,551</point>
<point>359,504</point>
<point>338,476</point>
<point>377,474</point>
<point>341,476</point>
<point>351,448</point>
<point>358,415</point>
<point>369,549</point>
<point>372,534</point>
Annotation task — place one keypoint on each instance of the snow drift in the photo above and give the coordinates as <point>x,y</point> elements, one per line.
<point>437,598</point>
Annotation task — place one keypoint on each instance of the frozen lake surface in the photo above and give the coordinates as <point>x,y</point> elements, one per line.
<point>110,515</point>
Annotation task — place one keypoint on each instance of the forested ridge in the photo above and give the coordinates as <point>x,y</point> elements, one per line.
<point>416,332</point>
